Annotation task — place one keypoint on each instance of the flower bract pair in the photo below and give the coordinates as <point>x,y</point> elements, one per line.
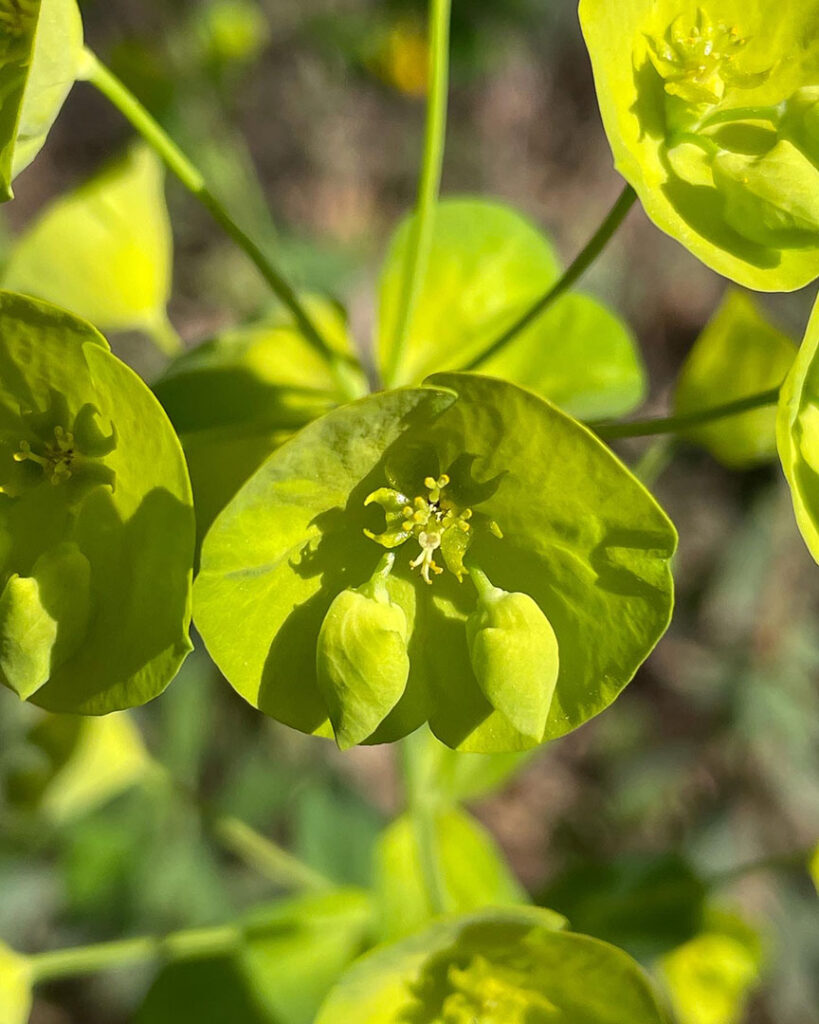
<point>461,553</point>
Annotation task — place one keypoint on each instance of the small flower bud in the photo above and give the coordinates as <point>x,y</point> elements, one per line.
<point>514,654</point>
<point>362,662</point>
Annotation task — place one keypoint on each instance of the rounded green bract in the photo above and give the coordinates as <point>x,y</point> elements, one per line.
<point>15,987</point>
<point>465,472</point>
<point>498,967</point>
<point>797,434</point>
<point>710,110</point>
<point>41,46</point>
<point>96,520</point>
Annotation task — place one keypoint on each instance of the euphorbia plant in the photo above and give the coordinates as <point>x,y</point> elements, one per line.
<point>439,537</point>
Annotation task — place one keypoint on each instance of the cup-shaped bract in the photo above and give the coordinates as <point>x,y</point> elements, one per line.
<point>710,112</point>
<point>511,966</point>
<point>96,520</point>
<point>41,49</point>
<point>15,987</point>
<point>797,434</point>
<point>464,467</point>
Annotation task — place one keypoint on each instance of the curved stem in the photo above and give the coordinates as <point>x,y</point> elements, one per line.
<point>267,857</point>
<point>421,225</point>
<point>655,460</point>
<point>422,813</point>
<point>244,842</point>
<point>573,273</point>
<point>674,424</point>
<point>66,963</point>
<point>191,177</point>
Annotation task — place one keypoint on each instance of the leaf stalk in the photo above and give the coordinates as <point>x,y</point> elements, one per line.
<point>422,224</point>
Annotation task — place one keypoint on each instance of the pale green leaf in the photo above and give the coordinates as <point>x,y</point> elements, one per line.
<point>40,55</point>
<point>487,266</point>
<point>738,354</point>
<point>15,987</point>
<point>797,434</point>
<point>473,872</point>
<point>105,250</point>
<point>108,758</point>
<point>709,978</point>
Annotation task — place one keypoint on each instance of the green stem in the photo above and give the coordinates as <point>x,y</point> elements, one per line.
<point>570,277</point>
<point>266,857</point>
<point>674,424</point>
<point>421,225</point>
<point>422,813</point>
<point>655,460</point>
<point>129,106</point>
<point>67,963</point>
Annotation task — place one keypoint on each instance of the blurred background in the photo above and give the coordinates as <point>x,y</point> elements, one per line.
<point>307,115</point>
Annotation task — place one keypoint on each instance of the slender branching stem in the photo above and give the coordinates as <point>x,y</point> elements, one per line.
<point>682,421</point>
<point>267,857</point>
<point>423,813</point>
<point>568,279</point>
<point>422,224</point>
<point>98,75</point>
<point>67,963</point>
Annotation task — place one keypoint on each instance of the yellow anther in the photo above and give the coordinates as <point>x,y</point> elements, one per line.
<point>430,483</point>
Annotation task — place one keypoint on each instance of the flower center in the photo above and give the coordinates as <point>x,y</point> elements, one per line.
<point>434,520</point>
<point>696,63</point>
<point>55,457</point>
